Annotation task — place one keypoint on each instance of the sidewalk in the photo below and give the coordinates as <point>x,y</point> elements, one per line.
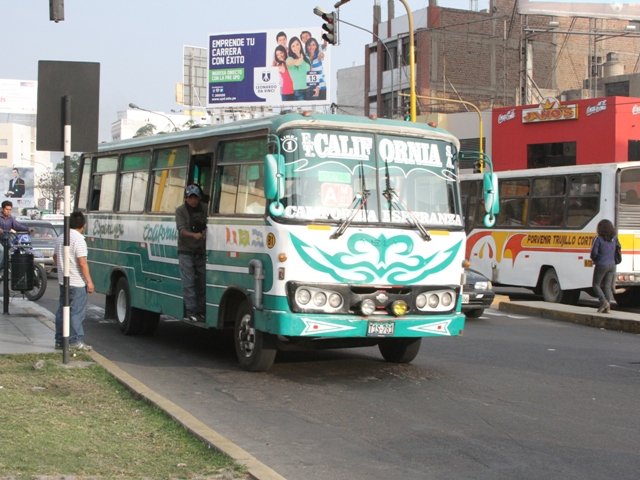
<point>588,316</point>
<point>28,328</point>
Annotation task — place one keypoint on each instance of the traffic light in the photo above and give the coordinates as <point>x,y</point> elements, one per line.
<point>330,26</point>
<point>56,10</point>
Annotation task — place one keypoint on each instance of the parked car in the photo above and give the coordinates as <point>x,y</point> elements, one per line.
<point>43,242</point>
<point>477,293</point>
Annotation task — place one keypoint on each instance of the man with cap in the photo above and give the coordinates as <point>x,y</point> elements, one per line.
<point>191,222</point>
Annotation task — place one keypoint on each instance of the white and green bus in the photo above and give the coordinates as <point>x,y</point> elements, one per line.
<point>323,231</point>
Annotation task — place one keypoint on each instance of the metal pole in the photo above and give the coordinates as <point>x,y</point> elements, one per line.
<point>66,309</point>
<point>412,64</point>
<point>453,100</point>
<point>5,289</point>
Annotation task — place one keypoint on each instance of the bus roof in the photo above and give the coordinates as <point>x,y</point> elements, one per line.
<point>568,169</point>
<point>276,123</point>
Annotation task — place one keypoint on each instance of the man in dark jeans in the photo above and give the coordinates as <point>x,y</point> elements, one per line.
<point>191,222</point>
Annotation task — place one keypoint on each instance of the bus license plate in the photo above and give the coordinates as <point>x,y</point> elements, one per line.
<point>465,298</point>
<point>380,329</point>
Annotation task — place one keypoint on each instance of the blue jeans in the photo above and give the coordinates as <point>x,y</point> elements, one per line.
<point>78,310</point>
<point>603,278</point>
<point>192,271</point>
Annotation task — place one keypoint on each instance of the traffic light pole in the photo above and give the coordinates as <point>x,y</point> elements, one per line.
<point>332,21</point>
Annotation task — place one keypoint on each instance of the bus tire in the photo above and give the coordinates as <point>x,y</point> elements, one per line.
<point>551,291</point>
<point>129,319</point>
<point>399,350</point>
<point>256,350</point>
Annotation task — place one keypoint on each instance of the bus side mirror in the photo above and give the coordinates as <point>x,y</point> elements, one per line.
<point>491,198</point>
<point>274,182</point>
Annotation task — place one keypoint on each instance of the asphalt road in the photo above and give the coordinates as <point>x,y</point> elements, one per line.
<point>513,398</point>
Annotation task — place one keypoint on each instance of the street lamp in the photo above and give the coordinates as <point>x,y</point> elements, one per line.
<point>136,107</point>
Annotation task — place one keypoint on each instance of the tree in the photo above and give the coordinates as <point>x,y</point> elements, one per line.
<point>52,182</point>
<point>51,186</point>
<point>145,131</point>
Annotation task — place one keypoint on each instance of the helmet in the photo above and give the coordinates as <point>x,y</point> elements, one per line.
<point>193,190</point>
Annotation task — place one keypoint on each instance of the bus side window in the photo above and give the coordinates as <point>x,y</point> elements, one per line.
<point>228,188</point>
<point>103,191</point>
<point>169,177</point>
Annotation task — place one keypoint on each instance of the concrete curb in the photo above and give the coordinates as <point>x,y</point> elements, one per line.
<point>581,315</point>
<point>256,469</point>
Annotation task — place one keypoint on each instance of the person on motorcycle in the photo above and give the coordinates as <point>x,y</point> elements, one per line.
<point>8,224</point>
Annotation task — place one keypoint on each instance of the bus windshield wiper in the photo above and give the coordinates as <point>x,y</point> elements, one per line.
<point>393,200</point>
<point>360,199</point>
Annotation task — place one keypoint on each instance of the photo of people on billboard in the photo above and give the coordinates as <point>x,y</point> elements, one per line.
<point>16,184</point>
<point>272,68</point>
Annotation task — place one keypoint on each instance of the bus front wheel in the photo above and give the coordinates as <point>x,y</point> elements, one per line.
<point>399,350</point>
<point>256,350</point>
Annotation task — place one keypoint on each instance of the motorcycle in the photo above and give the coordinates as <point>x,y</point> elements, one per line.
<point>19,243</point>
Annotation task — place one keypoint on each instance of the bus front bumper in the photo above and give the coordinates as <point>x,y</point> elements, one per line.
<point>343,326</point>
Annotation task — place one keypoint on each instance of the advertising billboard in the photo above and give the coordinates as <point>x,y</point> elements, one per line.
<point>16,184</point>
<point>18,96</point>
<point>286,67</point>
<point>628,10</point>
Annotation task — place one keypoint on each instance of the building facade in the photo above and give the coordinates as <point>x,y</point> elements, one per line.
<point>493,58</point>
<point>575,132</point>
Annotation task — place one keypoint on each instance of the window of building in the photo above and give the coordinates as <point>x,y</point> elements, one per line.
<point>3,155</point>
<point>559,154</point>
<point>620,89</point>
<point>634,150</point>
<point>390,57</point>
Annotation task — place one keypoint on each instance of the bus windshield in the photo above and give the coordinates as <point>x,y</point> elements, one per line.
<point>371,178</point>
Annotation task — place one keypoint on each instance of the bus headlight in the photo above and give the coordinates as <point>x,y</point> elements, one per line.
<point>421,301</point>
<point>447,299</point>
<point>320,299</point>
<point>335,300</point>
<point>303,296</point>
<point>433,300</point>
<point>367,307</point>
<point>436,300</point>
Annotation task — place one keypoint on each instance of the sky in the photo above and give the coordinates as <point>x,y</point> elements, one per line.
<point>139,43</point>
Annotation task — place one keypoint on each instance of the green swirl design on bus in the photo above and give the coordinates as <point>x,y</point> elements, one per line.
<point>376,259</point>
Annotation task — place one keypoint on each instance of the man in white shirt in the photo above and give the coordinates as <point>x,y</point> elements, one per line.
<point>80,283</point>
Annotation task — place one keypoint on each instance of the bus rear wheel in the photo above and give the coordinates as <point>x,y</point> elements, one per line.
<point>551,291</point>
<point>399,350</point>
<point>256,350</point>
<point>129,319</point>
